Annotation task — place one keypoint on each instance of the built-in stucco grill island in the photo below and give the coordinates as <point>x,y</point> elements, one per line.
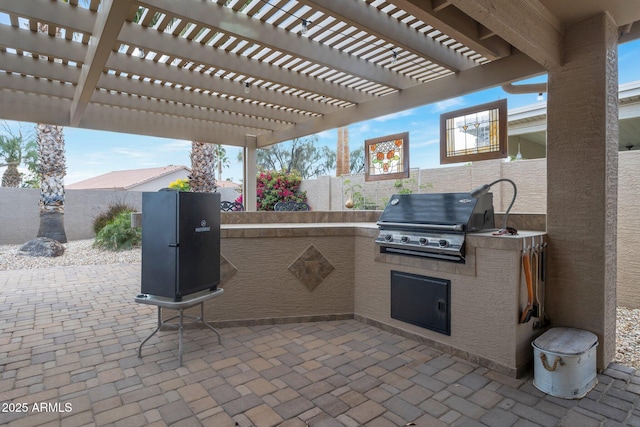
<point>328,266</point>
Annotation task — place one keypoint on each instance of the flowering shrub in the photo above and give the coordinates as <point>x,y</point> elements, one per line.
<point>180,184</point>
<point>273,187</point>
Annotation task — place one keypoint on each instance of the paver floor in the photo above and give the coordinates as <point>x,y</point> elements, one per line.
<point>69,337</point>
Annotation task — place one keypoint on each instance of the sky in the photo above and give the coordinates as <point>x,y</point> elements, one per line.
<point>90,153</point>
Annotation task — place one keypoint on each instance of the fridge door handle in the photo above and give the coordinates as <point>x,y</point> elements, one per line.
<point>173,245</point>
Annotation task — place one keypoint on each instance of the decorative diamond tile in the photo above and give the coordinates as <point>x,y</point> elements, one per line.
<point>311,268</point>
<point>227,270</point>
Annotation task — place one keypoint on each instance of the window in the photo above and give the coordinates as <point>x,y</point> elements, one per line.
<point>475,133</point>
<point>387,157</point>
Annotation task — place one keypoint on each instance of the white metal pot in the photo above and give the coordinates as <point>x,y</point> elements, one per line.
<point>565,362</point>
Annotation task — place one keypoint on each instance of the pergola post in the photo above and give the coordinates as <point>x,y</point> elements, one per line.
<point>250,171</point>
<point>582,182</point>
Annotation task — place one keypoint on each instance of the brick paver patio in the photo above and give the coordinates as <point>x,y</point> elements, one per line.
<point>68,345</point>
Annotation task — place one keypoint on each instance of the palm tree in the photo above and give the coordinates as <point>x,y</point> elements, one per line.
<point>221,159</point>
<point>11,176</point>
<point>51,170</point>
<point>203,167</point>
<point>14,150</point>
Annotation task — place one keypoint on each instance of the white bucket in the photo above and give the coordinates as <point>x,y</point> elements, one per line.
<point>564,363</point>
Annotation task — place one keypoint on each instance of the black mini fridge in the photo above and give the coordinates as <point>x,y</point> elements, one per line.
<point>180,243</point>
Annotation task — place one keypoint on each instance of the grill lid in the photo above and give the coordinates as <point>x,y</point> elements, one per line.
<point>439,211</point>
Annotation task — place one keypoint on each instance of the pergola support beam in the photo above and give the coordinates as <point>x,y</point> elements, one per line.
<point>250,198</point>
<point>525,24</point>
<point>110,18</point>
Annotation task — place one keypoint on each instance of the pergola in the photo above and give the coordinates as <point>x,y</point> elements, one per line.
<point>252,73</point>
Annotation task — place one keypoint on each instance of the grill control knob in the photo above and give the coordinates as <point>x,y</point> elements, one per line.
<point>443,243</point>
<point>404,239</point>
<point>388,237</point>
<point>423,241</point>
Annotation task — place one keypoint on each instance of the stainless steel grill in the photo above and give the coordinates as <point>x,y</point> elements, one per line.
<point>434,224</point>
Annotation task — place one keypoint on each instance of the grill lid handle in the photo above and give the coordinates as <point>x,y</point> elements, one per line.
<point>439,227</point>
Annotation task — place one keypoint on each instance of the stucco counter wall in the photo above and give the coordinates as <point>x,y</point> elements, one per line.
<point>273,273</point>
<point>263,285</point>
<point>487,294</point>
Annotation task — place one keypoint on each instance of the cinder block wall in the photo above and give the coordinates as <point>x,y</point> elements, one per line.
<point>628,246</point>
<point>19,215</point>
<point>19,212</point>
<point>530,176</point>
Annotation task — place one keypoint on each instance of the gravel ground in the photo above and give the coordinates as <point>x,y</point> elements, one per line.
<point>628,337</point>
<point>81,252</point>
<point>77,252</point>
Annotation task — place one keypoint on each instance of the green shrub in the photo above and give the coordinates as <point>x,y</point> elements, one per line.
<point>113,210</point>
<point>118,235</point>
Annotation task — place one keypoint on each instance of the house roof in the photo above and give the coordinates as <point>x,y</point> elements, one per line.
<point>126,179</point>
<point>254,73</point>
<point>227,184</point>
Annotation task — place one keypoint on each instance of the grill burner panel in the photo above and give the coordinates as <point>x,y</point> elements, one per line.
<point>439,245</point>
<point>433,225</point>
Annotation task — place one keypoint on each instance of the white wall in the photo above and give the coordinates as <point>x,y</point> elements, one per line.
<point>161,182</point>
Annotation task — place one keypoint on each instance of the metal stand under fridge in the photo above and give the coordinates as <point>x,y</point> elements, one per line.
<point>180,243</point>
